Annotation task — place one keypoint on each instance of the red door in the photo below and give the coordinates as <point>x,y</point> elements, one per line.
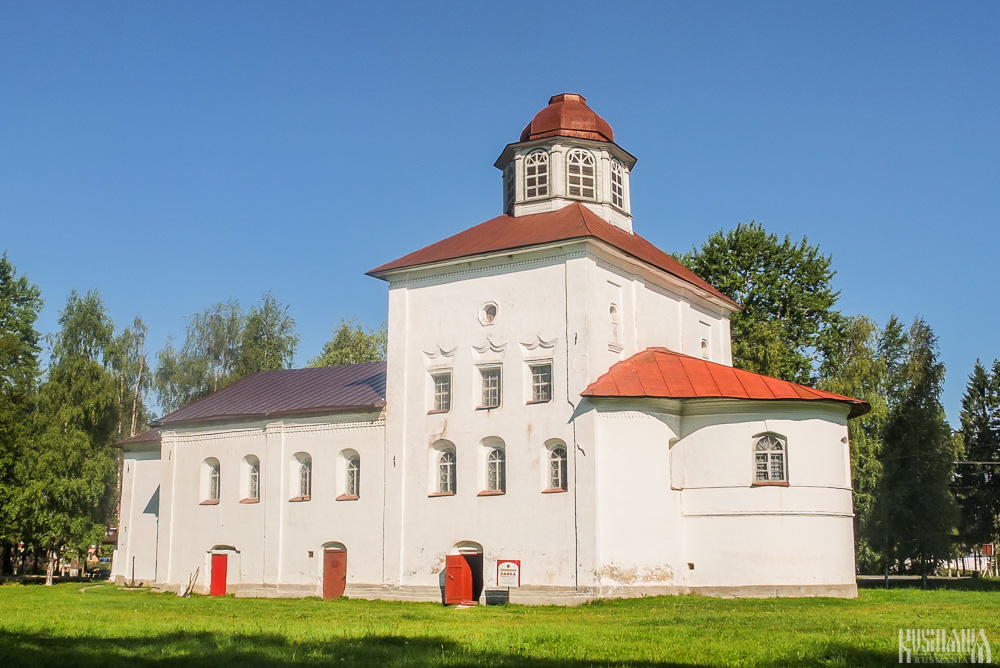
<point>220,564</point>
<point>457,580</point>
<point>334,573</point>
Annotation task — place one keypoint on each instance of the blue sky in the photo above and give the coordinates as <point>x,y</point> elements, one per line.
<point>174,155</point>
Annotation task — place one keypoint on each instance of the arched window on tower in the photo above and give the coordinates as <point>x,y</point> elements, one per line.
<point>618,184</point>
<point>536,175</point>
<point>580,178</point>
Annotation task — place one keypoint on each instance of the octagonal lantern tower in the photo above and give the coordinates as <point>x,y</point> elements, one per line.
<point>567,153</point>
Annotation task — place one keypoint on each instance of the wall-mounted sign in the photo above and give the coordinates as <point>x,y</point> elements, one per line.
<point>508,572</point>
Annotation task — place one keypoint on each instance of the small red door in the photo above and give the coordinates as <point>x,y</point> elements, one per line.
<point>457,580</point>
<point>220,564</point>
<point>334,573</point>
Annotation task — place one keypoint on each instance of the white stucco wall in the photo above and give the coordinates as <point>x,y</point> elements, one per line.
<point>271,540</point>
<point>135,555</point>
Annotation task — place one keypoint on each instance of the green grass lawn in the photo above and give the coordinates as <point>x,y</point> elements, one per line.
<point>77,624</point>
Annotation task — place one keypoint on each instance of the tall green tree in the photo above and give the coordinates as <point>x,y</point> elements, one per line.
<point>977,479</point>
<point>20,304</point>
<point>128,361</point>
<point>353,344</point>
<point>268,339</point>
<point>222,345</point>
<point>68,476</point>
<point>788,319</point>
<point>915,504</point>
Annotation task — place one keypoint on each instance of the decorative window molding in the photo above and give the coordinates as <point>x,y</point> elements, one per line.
<point>536,175</point>
<point>539,342</point>
<point>490,382</point>
<point>770,460</point>
<point>440,352</point>
<point>441,388</point>
<point>541,382</point>
<point>580,174</point>
<point>618,184</point>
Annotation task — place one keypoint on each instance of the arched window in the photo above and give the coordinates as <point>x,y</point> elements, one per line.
<point>617,184</point>
<point>580,174</point>
<point>536,175</point>
<point>353,486</point>
<point>446,472</point>
<point>214,482</point>
<point>254,482</point>
<point>496,471</point>
<point>557,468</point>
<point>769,459</point>
<point>250,480</point>
<point>301,477</point>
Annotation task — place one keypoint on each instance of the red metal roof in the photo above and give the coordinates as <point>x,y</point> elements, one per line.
<point>289,392</point>
<point>148,436</point>
<point>662,373</point>
<point>568,116</point>
<point>574,221</point>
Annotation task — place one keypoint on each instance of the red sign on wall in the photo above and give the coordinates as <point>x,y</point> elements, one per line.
<point>508,572</point>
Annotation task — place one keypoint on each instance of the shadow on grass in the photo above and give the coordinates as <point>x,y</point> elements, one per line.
<point>913,582</point>
<point>217,650</point>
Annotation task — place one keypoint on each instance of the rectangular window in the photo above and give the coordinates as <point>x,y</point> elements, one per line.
<point>491,387</point>
<point>442,392</point>
<point>541,383</point>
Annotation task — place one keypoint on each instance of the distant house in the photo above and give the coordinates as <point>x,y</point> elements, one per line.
<point>559,401</point>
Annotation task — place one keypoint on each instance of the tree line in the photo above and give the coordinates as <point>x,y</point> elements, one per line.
<point>923,492</point>
<point>59,474</point>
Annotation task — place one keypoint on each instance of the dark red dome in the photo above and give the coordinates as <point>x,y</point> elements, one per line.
<point>568,116</point>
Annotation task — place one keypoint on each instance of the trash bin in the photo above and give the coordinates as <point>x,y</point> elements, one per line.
<point>497,596</point>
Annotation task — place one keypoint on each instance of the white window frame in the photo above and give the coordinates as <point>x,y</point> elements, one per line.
<point>536,175</point>
<point>352,484</point>
<point>214,481</point>
<point>770,460</point>
<point>578,163</point>
<point>485,373</point>
<point>441,399</point>
<point>539,392</point>
<point>496,470</point>
<point>558,468</point>
<point>447,465</point>
<point>618,184</point>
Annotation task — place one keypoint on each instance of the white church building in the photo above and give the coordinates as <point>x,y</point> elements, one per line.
<point>558,414</point>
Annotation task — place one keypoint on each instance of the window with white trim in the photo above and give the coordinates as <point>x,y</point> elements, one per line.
<point>446,472</point>
<point>253,491</point>
<point>580,174</point>
<point>769,459</point>
<point>617,184</point>
<point>541,382</point>
<point>536,175</point>
<point>496,471</point>
<point>353,483</point>
<point>557,468</point>
<point>490,376</point>
<point>442,391</point>
<point>300,483</point>
<point>214,480</point>
<point>509,191</point>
